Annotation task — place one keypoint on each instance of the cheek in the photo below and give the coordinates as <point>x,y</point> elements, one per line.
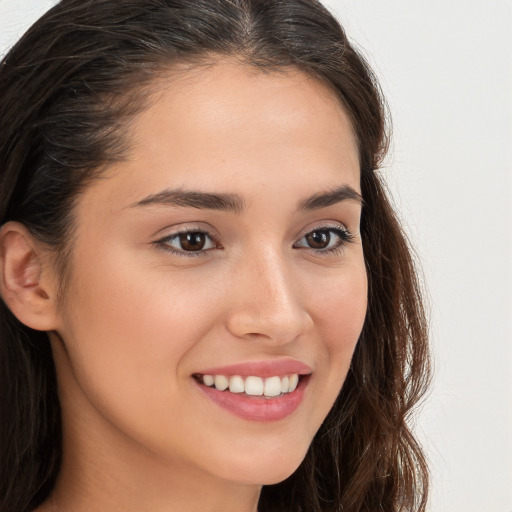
<point>128,334</point>
<point>135,316</point>
<point>341,310</point>
<point>341,307</point>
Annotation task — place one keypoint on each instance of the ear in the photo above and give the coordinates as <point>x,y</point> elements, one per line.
<point>27,283</point>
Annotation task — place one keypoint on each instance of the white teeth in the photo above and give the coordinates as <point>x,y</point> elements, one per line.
<point>209,380</point>
<point>272,386</point>
<point>285,384</point>
<point>221,382</point>
<point>294,380</point>
<point>252,385</point>
<point>236,384</point>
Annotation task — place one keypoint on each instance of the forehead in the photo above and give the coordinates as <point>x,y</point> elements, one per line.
<point>222,126</point>
<point>229,86</point>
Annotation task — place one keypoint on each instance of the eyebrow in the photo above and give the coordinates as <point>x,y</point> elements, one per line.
<point>193,199</point>
<point>236,204</point>
<point>325,199</point>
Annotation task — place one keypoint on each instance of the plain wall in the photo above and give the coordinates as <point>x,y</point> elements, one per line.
<point>446,69</point>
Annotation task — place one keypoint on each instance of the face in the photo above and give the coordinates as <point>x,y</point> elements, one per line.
<point>224,250</point>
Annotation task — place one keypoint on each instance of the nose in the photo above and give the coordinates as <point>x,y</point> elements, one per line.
<point>269,304</point>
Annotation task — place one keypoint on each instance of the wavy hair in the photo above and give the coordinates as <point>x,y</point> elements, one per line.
<point>68,90</point>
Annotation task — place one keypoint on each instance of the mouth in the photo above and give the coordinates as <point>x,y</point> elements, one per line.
<point>267,392</point>
<point>252,385</point>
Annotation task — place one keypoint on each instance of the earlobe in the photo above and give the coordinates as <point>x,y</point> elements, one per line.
<point>25,284</point>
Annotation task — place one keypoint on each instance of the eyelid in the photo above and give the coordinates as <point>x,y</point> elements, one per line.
<point>185,227</point>
<point>162,242</point>
<point>325,226</point>
<point>345,236</point>
<point>342,231</point>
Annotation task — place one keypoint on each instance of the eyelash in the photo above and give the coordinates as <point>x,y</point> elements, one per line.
<point>164,243</point>
<point>344,237</point>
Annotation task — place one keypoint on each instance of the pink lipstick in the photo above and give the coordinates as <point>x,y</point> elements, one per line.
<point>257,391</point>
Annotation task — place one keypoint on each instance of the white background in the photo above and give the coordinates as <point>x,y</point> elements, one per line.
<point>446,68</point>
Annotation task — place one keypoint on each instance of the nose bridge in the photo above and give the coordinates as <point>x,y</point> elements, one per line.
<point>268,303</point>
<point>273,278</point>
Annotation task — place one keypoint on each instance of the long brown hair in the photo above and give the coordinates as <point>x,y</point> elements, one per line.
<point>67,90</point>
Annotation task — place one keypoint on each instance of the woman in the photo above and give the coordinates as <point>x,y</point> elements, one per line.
<point>207,301</point>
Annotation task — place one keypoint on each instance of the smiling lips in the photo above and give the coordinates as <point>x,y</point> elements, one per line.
<point>253,386</point>
<point>266,391</point>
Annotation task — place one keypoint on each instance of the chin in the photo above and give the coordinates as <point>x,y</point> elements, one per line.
<point>265,468</point>
<point>267,475</point>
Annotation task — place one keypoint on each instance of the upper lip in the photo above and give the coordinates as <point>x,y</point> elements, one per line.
<point>269,368</point>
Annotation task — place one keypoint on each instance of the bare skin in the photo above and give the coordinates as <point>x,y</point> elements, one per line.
<point>143,315</point>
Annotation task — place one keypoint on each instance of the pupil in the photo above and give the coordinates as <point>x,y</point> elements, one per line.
<point>192,241</point>
<point>318,239</point>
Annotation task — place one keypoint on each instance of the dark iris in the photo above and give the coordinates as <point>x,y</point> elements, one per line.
<point>192,241</point>
<point>318,239</point>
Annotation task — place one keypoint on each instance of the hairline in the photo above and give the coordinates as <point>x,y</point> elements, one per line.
<point>162,74</point>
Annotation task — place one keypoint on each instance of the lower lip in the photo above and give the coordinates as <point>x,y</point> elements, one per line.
<point>255,408</point>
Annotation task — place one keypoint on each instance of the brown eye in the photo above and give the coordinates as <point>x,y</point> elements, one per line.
<point>318,239</point>
<point>189,243</point>
<point>192,241</point>
<point>325,240</point>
